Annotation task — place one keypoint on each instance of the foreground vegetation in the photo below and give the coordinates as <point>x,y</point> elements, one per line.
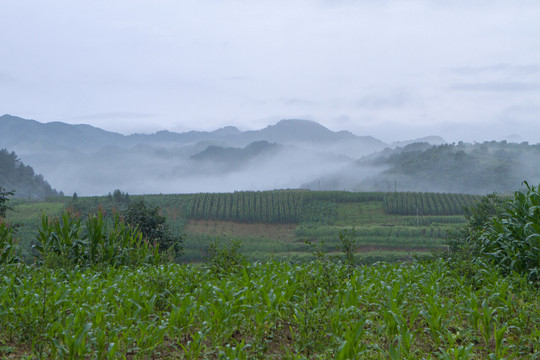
<point>103,288</point>
<point>431,310</point>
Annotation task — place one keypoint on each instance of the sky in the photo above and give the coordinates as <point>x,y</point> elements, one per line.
<point>462,69</point>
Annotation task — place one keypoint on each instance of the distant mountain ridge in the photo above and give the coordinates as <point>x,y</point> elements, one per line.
<point>90,160</point>
<point>15,130</point>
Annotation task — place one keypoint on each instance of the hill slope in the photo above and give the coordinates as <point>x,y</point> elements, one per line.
<point>471,168</point>
<point>20,178</point>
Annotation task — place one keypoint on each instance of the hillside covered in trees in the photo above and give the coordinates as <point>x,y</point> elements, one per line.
<point>21,179</point>
<point>478,168</point>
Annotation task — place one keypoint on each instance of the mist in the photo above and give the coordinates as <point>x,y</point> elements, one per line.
<point>292,153</point>
<point>90,161</point>
<point>475,168</point>
<point>141,172</point>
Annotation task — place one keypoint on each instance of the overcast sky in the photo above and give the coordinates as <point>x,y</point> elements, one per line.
<point>462,69</point>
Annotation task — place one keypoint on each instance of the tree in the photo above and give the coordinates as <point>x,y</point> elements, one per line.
<point>120,197</point>
<point>478,215</point>
<point>3,201</point>
<point>153,226</point>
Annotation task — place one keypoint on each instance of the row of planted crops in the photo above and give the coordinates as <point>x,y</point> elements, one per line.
<point>273,310</point>
<point>411,203</point>
<point>286,206</point>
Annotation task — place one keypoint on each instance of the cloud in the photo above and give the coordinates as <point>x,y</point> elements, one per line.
<point>6,78</point>
<point>377,102</point>
<point>504,68</point>
<point>510,86</point>
<point>237,78</point>
<point>298,102</point>
<point>112,115</point>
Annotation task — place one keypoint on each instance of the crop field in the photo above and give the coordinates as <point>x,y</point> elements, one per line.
<point>98,290</point>
<point>379,235</point>
<point>317,310</point>
<point>277,224</point>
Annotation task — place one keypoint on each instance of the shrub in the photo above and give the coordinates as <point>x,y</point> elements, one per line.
<point>225,258</point>
<point>154,228</point>
<point>347,244</point>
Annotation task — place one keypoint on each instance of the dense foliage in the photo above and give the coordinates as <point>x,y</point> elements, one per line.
<point>512,239</point>
<point>478,168</point>
<point>14,175</point>
<point>153,227</point>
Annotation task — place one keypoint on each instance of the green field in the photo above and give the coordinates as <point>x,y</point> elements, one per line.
<point>318,304</point>
<point>318,218</point>
<point>317,310</point>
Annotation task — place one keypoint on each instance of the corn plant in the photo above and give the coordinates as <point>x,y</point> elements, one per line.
<point>67,242</point>
<point>512,241</point>
<point>8,245</point>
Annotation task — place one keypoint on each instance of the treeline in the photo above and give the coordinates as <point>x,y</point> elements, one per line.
<point>20,178</point>
<point>417,203</point>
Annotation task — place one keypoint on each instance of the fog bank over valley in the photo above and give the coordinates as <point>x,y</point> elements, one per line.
<point>289,154</point>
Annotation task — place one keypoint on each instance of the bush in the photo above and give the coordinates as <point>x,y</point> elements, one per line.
<point>347,244</point>
<point>66,242</point>
<point>154,228</point>
<point>225,258</point>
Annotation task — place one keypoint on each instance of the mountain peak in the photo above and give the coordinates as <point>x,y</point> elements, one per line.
<point>226,131</point>
<point>298,123</point>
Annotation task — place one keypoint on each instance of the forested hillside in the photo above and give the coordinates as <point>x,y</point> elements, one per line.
<point>478,168</point>
<point>20,178</point>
